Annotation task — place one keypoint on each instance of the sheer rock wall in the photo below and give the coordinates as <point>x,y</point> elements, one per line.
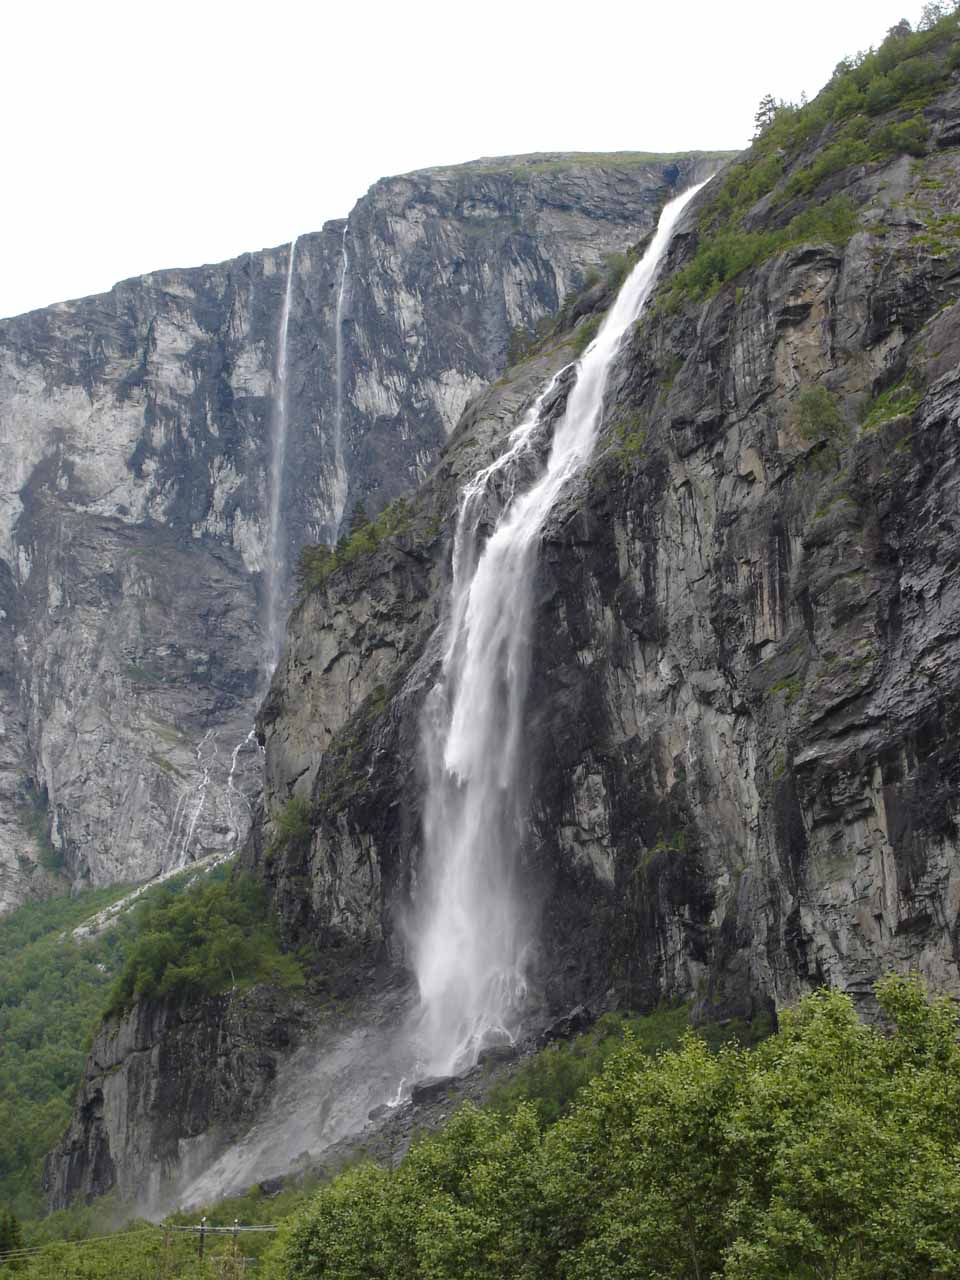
<point>134,503</point>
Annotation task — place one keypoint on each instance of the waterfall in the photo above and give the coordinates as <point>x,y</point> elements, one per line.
<point>339,482</point>
<point>276,536</point>
<point>233,791</point>
<point>473,933</point>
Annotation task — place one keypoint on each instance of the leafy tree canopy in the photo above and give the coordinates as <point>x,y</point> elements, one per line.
<point>829,1151</point>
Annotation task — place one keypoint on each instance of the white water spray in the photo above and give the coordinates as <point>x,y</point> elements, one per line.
<point>276,536</point>
<point>469,952</point>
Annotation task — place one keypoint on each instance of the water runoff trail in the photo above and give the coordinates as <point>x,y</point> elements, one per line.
<point>471,936</point>
<point>276,566</point>
<point>338,482</point>
<point>203,798</point>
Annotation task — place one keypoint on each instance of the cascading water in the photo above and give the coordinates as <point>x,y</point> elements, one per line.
<point>473,933</point>
<point>234,794</point>
<point>276,533</point>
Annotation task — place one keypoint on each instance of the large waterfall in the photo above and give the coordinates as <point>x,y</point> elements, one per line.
<point>473,934</point>
<point>472,937</point>
<point>276,566</point>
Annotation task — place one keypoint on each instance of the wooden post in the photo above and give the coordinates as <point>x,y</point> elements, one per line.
<point>203,1232</point>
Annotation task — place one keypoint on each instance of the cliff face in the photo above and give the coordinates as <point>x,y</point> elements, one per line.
<point>198,1073</point>
<point>741,728</point>
<point>744,680</point>
<point>137,433</point>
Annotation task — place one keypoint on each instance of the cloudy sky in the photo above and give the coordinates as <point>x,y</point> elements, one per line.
<point>158,133</point>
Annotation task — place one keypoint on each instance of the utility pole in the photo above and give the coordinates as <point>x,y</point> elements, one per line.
<point>203,1232</point>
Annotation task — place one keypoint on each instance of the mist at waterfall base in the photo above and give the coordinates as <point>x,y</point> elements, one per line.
<point>470,936</point>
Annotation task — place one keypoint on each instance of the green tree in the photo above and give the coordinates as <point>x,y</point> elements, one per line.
<point>358,518</point>
<point>826,1153</point>
<point>11,1237</point>
<point>765,114</point>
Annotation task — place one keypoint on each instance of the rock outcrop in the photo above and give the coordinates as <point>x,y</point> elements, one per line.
<point>135,504</point>
<point>744,683</point>
<point>168,1085</point>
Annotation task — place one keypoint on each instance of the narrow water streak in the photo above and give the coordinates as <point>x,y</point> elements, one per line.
<point>338,484</point>
<point>276,567</point>
<point>473,936</point>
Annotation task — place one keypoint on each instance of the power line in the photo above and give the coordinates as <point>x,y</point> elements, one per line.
<point>33,1250</point>
<point>133,1235</point>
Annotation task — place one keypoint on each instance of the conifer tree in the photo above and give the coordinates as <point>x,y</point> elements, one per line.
<point>11,1235</point>
<point>358,518</point>
<point>765,115</point>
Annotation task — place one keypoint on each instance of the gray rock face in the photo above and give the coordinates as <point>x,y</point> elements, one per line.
<point>742,714</point>
<point>744,682</point>
<point>197,1073</point>
<point>134,502</point>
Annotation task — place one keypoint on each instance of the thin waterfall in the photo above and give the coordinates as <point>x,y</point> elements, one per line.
<point>276,535</point>
<point>339,480</point>
<point>473,934</point>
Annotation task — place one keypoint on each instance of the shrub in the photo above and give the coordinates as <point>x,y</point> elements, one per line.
<point>816,414</point>
<point>629,437</point>
<point>900,399</point>
<point>722,256</point>
<point>551,1079</point>
<point>316,562</point>
<point>52,988</point>
<point>34,815</point>
<point>201,941</point>
<point>843,154</point>
<point>292,823</point>
<point>902,75</point>
<point>909,136</point>
<point>617,267</point>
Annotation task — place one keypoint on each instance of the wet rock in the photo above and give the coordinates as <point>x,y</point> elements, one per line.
<point>497,1053</point>
<point>431,1089</point>
<point>571,1024</point>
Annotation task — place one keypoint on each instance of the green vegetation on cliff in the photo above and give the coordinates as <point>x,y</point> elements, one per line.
<point>210,938</point>
<point>52,992</point>
<point>829,1150</point>
<point>182,937</point>
<point>317,562</point>
<point>801,148</point>
<point>550,1081</point>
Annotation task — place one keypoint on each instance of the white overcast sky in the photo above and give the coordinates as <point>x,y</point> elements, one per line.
<point>158,133</point>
